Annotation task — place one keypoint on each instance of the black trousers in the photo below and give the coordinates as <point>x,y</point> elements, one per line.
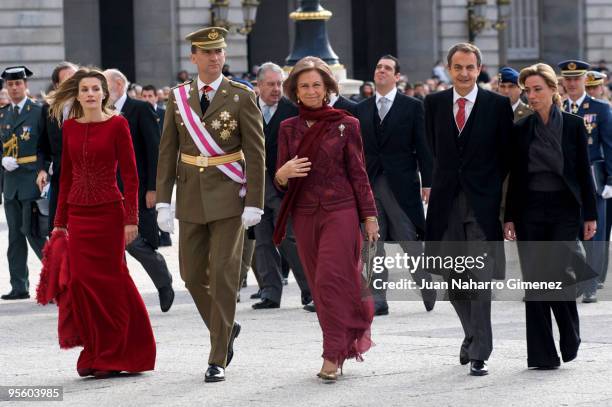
<point>550,216</point>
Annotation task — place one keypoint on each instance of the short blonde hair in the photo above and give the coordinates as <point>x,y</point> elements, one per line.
<point>546,72</point>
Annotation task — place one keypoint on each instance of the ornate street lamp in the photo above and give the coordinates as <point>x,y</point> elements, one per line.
<point>504,10</point>
<point>476,17</point>
<point>220,11</point>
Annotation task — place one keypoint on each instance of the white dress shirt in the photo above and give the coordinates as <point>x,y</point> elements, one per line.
<point>578,102</point>
<point>469,104</point>
<point>120,102</point>
<point>214,85</point>
<point>20,104</point>
<point>514,106</point>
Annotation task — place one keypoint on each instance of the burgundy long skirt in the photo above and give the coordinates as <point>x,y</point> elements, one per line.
<point>329,245</point>
<point>111,318</point>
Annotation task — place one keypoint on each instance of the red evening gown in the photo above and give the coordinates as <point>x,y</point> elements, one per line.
<point>112,323</point>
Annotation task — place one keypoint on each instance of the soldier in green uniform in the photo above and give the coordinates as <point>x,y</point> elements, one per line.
<point>212,147</point>
<point>21,123</point>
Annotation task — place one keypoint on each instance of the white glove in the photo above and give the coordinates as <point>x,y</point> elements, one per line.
<point>165,220</point>
<point>10,163</point>
<point>607,192</point>
<point>251,216</point>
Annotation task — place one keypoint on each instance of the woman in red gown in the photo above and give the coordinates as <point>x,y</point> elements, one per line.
<point>110,318</point>
<point>321,165</point>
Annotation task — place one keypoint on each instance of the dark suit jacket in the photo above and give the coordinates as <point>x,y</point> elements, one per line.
<point>285,110</point>
<point>476,162</point>
<point>344,104</point>
<point>145,132</point>
<point>49,147</point>
<point>161,112</point>
<point>400,152</point>
<point>576,167</point>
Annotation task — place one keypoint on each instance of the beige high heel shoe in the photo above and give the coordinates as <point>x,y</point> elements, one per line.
<point>327,377</point>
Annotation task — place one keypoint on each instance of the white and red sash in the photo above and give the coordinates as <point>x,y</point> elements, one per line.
<point>207,146</point>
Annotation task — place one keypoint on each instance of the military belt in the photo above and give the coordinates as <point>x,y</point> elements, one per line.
<point>202,161</point>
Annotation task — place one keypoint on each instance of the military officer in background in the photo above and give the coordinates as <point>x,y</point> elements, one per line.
<point>508,86</point>
<point>598,128</point>
<point>212,146</point>
<point>595,85</point>
<point>21,124</point>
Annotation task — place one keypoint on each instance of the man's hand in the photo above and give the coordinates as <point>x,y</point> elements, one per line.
<point>509,231</point>
<point>590,228</point>
<point>251,216</point>
<point>131,231</point>
<point>165,220</point>
<point>10,163</point>
<point>42,179</point>
<point>150,199</point>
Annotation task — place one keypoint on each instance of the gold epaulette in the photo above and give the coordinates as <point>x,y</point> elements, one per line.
<point>240,85</point>
<point>182,84</point>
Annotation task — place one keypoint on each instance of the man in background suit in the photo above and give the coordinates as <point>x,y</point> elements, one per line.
<point>393,131</point>
<point>275,108</point>
<point>468,130</point>
<point>49,150</point>
<point>340,102</point>
<point>149,94</point>
<point>145,136</point>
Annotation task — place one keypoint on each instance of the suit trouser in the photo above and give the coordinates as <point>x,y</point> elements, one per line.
<point>18,217</point>
<point>247,258</point>
<point>209,257</point>
<point>53,195</point>
<point>554,219</point>
<point>152,261</point>
<point>604,273</point>
<point>596,247</point>
<point>474,314</point>
<point>268,257</point>
<point>394,225</point>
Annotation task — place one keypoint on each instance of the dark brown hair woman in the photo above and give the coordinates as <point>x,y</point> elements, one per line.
<point>321,165</point>
<point>550,196</point>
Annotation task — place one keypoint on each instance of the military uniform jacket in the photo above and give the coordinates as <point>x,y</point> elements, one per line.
<point>22,131</point>
<point>598,124</point>
<point>522,110</point>
<point>206,194</point>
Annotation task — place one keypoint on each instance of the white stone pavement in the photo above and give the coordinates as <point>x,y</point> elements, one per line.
<point>414,362</point>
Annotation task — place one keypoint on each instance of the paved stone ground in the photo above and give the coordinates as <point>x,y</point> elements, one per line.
<point>414,362</point>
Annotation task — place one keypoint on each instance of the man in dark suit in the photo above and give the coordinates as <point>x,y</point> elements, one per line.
<point>145,137</point>
<point>275,108</point>
<point>49,150</point>
<point>149,94</point>
<point>393,131</point>
<point>340,102</point>
<point>598,125</point>
<point>468,131</point>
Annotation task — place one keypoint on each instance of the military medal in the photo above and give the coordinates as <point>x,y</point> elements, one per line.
<point>586,105</point>
<point>236,98</point>
<point>216,124</point>
<point>25,133</point>
<point>225,115</point>
<point>225,134</point>
<point>589,122</point>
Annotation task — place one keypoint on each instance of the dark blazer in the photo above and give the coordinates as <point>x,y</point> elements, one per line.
<point>161,112</point>
<point>576,168</point>
<point>400,151</point>
<point>285,110</point>
<point>145,132</point>
<point>49,147</point>
<point>344,104</point>
<point>476,162</point>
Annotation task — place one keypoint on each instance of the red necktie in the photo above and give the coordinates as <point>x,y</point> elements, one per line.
<point>204,101</point>
<point>460,118</point>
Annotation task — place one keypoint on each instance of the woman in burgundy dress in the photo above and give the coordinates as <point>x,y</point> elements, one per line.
<point>321,165</point>
<point>110,320</point>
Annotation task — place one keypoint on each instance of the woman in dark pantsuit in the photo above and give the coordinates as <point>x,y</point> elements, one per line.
<point>550,194</point>
<point>321,165</point>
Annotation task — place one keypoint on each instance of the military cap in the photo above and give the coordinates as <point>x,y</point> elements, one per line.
<point>14,73</point>
<point>573,67</point>
<point>594,78</point>
<point>508,74</point>
<point>208,38</point>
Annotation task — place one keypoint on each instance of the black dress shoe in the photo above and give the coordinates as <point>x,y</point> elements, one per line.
<point>381,309</point>
<point>266,304</point>
<point>310,307</point>
<point>600,286</point>
<point>256,295</point>
<point>429,299</point>
<point>285,281</point>
<point>306,298</point>
<point>230,346</point>
<point>214,373</point>
<point>164,239</point>
<point>479,368</point>
<point>166,298</point>
<point>15,295</point>
<point>589,298</point>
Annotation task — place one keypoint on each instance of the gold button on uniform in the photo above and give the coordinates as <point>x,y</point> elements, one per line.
<point>201,169</point>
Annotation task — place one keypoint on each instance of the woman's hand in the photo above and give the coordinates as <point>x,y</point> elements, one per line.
<point>509,231</point>
<point>294,168</point>
<point>131,231</point>
<point>590,228</point>
<point>371,229</point>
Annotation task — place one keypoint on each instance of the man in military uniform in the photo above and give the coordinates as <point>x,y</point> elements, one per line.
<point>212,146</point>
<point>508,86</point>
<point>595,85</point>
<point>21,124</point>
<point>598,124</point>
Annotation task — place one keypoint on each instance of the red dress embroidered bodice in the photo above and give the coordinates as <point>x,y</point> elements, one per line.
<point>337,178</point>
<point>91,154</point>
